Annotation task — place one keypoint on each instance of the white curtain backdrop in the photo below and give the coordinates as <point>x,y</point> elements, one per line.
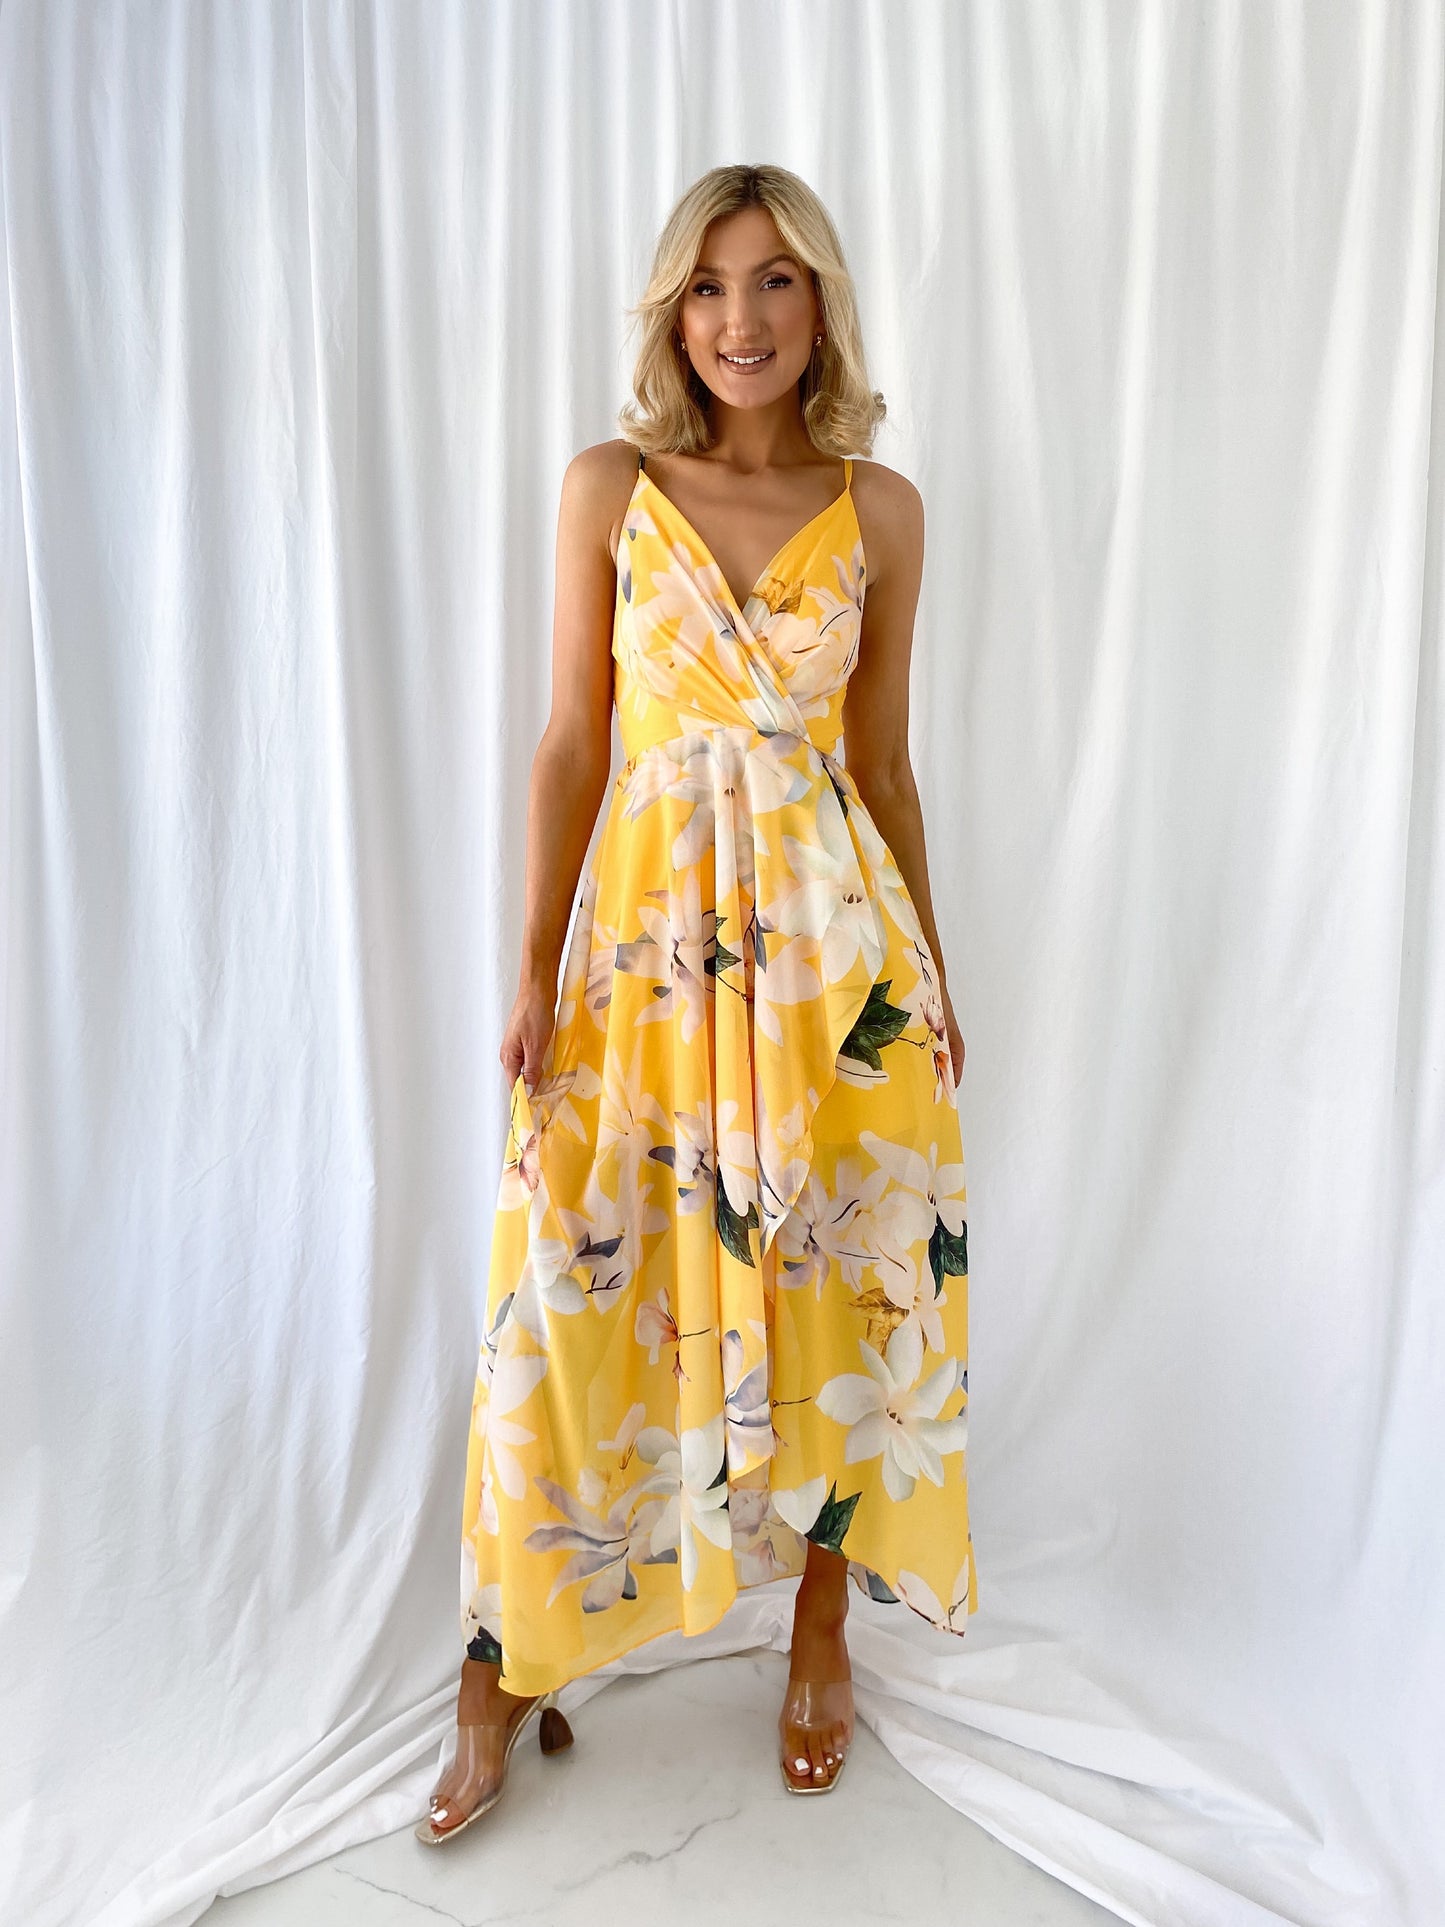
<point>308,306</point>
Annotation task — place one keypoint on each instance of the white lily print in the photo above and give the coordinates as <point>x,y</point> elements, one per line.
<point>546,1286</point>
<point>624,1445</point>
<point>602,1544</point>
<point>910,1287</point>
<point>941,1183</point>
<point>674,626</point>
<point>599,984</point>
<point>772,781</point>
<point>681,936</point>
<point>924,1003</point>
<point>916,1592</point>
<point>746,1412</point>
<point>898,1230</point>
<point>522,1168</point>
<point>799,1507</point>
<point>597,1259</point>
<point>553,1108</point>
<point>696,1492</point>
<point>487,1517</point>
<point>681,770</point>
<point>630,1123</point>
<point>484,1613</point>
<point>736,1159</point>
<point>509,1379</point>
<point>734,867</point>
<point>754,1554</point>
<point>888,888</point>
<point>830,1227</point>
<point>692,1156</point>
<point>888,1412</point>
<point>789,978</point>
<point>817,668</point>
<point>830,900</point>
<point>781,1152</point>
<point>654,1325</point>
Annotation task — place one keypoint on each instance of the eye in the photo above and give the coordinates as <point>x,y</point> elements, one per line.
<point>786,279</point>
<point>703,286</point>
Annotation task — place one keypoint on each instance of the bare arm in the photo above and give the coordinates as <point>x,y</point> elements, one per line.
<point>875,709</point>
<point>573,758</point>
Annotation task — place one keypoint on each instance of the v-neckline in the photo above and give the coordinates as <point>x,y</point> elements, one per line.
<point>770,566</point>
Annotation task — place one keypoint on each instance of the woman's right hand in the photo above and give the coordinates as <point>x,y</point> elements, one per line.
<point>528,1033</point>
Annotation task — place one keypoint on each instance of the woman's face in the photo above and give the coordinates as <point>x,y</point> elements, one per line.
<point>748,297</point>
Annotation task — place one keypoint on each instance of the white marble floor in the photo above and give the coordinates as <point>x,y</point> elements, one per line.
<point>669,1809</point>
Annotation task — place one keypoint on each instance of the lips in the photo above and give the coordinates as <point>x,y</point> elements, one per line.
<point>746,367</point>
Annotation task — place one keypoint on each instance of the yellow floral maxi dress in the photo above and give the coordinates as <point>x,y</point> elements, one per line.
<point>727,1307</point>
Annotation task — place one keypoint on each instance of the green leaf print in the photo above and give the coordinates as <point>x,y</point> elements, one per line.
<point>484,1647</point>
<point>878,1588</point>
<point>833,1520</point>
<point>879,1022</point>
<point>720,957</point>
<point>733,1229</point>
<point>947,1254</point>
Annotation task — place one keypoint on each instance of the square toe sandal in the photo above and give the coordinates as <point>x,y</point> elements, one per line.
<point>818,1704</point>
<point>555,1734</point>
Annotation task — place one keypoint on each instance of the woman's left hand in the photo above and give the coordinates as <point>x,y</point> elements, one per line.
<point>955,1036</point>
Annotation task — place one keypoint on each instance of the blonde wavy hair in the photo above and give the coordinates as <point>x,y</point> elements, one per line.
<point>840,409</point>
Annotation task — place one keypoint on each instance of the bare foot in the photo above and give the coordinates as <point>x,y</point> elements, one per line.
<point>485,1716</point>
<point>816,1723</point>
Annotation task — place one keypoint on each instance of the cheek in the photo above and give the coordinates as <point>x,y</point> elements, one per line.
<point>795,315</point>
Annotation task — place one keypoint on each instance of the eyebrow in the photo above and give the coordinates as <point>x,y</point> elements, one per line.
<point>704,267</point>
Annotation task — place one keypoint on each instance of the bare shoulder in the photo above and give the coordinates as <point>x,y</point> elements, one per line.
<point>890,514</point>
<point>603,465</point>
<point>596,488</point>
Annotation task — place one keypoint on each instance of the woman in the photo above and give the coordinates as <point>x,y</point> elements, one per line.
<point>727,1318</point>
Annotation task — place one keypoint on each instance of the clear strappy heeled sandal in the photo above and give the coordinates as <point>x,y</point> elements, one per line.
<point>819,1704</point>
<point>465,1763</point>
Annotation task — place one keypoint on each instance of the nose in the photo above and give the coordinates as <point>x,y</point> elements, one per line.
<point>739,331</point>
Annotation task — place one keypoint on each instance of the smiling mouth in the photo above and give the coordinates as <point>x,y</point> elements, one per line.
<point>746,362</point>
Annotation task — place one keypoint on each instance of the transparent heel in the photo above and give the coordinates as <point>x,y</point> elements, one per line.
<point>472,1781</point>
<point>814,1707</point>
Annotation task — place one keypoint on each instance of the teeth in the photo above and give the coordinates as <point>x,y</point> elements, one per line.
<point>746,361</point>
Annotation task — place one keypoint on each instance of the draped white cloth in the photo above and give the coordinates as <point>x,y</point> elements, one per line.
<point>308,307</point>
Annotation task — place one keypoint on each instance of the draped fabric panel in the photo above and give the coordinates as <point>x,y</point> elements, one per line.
<point>307,308</point>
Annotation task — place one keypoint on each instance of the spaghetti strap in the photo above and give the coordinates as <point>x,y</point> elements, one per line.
<point>847,473</point>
